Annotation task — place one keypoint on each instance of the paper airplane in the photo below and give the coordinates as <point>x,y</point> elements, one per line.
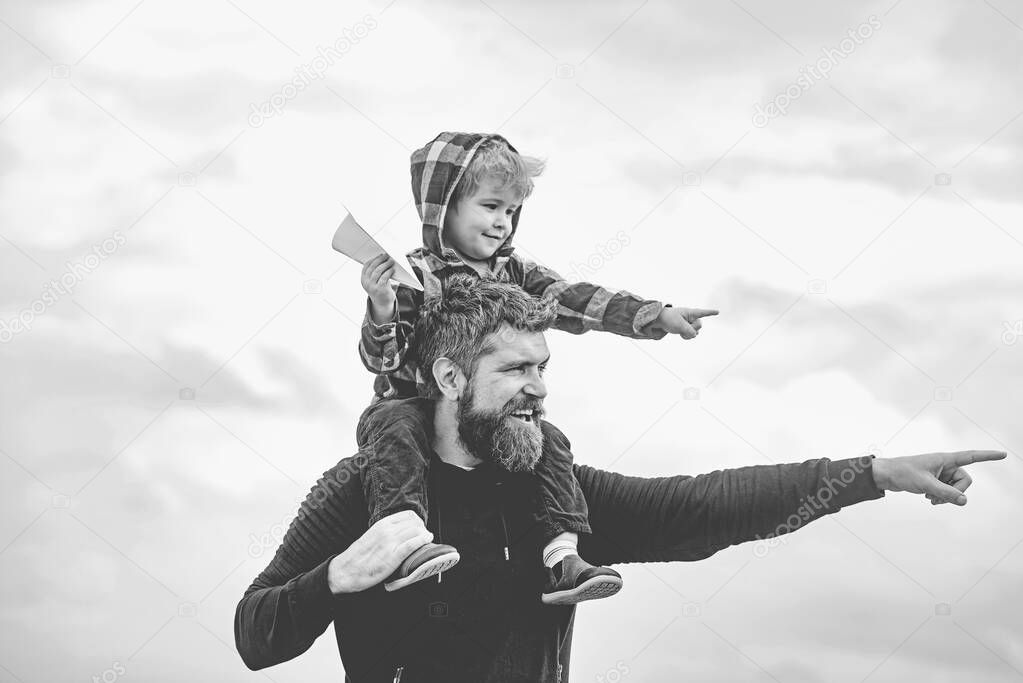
<point>353,241</point>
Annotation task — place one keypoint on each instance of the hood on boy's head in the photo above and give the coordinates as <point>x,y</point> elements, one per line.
<point>436,169</point>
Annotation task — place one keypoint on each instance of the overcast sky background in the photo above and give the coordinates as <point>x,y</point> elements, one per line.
<point>864,249</point>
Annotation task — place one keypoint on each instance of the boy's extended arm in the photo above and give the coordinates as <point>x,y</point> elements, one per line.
<point>289,604</point>
<point>584,306</point>
<point>681,518</point>
<point>384,348</point>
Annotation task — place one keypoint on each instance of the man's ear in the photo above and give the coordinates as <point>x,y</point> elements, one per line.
<point>449,377</point>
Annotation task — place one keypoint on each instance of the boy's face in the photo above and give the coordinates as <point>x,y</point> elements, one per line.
<point>480,224</point>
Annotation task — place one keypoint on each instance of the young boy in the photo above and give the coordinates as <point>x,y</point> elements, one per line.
<point>469,190</point>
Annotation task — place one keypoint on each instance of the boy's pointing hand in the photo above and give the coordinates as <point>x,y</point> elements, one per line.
<point>682,321</point>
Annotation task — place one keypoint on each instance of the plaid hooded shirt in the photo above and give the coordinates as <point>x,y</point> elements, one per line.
<point>387,350</point>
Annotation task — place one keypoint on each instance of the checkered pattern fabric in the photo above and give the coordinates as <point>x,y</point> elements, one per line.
<point>388,350</point>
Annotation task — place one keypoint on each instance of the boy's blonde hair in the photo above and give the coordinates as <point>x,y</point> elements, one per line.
<point>494,160</point>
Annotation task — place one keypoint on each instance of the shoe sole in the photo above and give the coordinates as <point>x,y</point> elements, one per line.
<point>425,571</point>
<point>592,589</point>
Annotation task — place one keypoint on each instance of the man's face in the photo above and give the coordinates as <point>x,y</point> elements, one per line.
<point>480,223</point>
<point>499,412</point>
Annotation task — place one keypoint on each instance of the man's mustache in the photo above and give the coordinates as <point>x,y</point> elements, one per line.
<point>534,405</point>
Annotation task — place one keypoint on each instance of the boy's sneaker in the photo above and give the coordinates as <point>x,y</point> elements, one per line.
<point>574,580</point>
<point>430,559</point>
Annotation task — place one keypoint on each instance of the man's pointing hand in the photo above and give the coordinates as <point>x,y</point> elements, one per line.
<point>939,476</point>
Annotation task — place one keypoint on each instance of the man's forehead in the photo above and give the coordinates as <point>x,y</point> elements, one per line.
<point>509,344</point>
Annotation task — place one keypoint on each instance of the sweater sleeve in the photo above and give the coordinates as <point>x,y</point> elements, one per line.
<point>384,348</point>
<point>683,518</point>
<point>289,605</point>
<point>583,306</point>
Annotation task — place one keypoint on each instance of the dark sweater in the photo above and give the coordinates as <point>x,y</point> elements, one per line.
<point>483,621</point>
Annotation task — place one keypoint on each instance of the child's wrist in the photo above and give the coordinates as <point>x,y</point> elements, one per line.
<point>382,312</point>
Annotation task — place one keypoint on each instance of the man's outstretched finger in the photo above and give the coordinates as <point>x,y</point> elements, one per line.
<point>969,457</point>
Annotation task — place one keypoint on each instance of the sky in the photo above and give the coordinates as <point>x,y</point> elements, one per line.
<point>178,340</point>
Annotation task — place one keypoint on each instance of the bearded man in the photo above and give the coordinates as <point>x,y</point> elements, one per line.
<point>484,345</point>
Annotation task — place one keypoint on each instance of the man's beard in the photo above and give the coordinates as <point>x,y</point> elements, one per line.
<point>492,437</point>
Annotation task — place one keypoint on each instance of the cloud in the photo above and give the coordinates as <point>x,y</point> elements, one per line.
<point>895,346</point>
<point>184,491</point>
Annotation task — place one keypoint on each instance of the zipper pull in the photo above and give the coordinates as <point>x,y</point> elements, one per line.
<point>398,672</point>
<point>506,553</point>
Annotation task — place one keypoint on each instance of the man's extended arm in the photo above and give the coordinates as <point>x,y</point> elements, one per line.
<point>639,519</point>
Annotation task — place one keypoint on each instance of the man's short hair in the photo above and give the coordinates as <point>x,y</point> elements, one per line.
<point>457,324</point>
